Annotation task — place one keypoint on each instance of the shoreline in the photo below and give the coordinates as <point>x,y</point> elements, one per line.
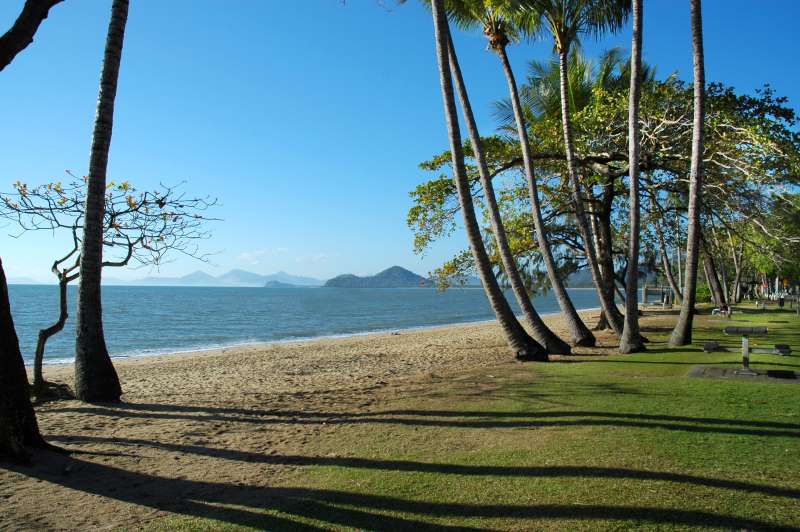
<point>60,363</point>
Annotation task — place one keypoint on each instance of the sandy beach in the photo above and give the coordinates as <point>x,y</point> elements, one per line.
<point>212,418</point>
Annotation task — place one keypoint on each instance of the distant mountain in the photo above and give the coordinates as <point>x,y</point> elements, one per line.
<point>278,284</point>
<point>283,277</point>
<point>231,278</point>
<point>394,277</point>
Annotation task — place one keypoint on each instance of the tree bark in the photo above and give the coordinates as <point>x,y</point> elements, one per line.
<point>605,247</point>
<point>95,376</point>
<point>540,331</point>
<point>682,334</point>
<point>19,429</point>
<point>523,346</point>
<point>580,212</point>
<point>45,334</point>
<point>21,33</point>
<point>579,332</point>
<point>713,280</point>
<point>631,341</point>
<point>662,247</point>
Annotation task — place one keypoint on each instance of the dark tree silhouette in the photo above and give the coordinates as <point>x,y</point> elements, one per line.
<point>21,33</point>
<point>18,427</point>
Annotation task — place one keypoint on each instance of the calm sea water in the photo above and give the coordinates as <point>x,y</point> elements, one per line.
<point>158,320</point>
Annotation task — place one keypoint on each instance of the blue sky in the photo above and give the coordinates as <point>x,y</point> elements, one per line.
<point>306,119</point>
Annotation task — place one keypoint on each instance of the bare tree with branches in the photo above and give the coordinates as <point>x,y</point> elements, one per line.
<point>139,228</point>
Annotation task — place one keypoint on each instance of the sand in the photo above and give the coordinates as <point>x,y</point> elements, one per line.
<point>193,425</point>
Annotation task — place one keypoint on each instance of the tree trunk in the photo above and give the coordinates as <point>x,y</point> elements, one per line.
<point>713,280</point>
<point>605,247</point>
<point>736,296</point>
<point>579,332</point>
<point>95,376</point>
<point>682,334</point>
<point>45,334</point>
<point>21,33</point>
<point>662,247</point>
<point>523,346</point>
<point>580,213</point>
<point>540,331</point>
<point>18,427</point>
<point>631,341</point>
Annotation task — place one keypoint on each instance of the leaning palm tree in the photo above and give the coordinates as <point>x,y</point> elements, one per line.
<point>566,20</point>
<point>682,334</point>
<point>631,340</point>
<point>523,346</point>
<point>95,376</point>
<point>503,22</point>
<point>540,331</point>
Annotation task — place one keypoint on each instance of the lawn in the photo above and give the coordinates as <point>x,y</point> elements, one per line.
<point>588,442</point>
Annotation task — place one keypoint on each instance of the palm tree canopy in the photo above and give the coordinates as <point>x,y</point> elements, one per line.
<point>540,92</point>
<point>502,21</point>
<point>568,19</point>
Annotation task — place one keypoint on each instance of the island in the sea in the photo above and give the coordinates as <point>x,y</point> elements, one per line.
<point>394,277</point>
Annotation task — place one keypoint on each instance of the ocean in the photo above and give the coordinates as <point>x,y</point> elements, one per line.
<point>142,320</point>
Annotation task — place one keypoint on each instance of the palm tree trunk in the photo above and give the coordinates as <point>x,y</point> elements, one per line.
<point>540,331</point>
<point>18,426</point>
<point>580,333</point>
<point>682,334</point>
<point>95,376</point>
<point>523,346</point>
<point>580,212</point>
<point>631,341</point>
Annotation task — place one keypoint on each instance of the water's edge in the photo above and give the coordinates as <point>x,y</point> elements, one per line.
<point>310,339</point>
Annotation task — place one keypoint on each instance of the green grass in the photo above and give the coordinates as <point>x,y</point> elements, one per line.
<point>594,443</point>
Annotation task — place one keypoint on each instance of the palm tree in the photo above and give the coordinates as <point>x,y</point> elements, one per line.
<point>682,334</point>
<point>567,19</point>
<point>18,427</point>
<point>521,343</point>
<point>631,340</point>
<point>540,331</point>
<point>95,376</point>
<point>502,23</point>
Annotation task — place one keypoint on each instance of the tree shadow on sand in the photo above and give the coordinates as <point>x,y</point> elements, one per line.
<point>445,419</point>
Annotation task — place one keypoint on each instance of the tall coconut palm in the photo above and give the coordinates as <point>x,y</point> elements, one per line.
<point>566,20</point>
<point>95,376</point>
<point>503,22</point>
<point>540,331</point>
<point>682,334</point>
<point>631,340</point>
<point>523,346</point>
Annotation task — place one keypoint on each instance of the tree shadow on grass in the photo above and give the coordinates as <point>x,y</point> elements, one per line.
<point>281,508</point>
<point>438,468</point>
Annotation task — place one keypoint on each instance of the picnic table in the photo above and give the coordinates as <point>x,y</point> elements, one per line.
<point>746,333</point>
